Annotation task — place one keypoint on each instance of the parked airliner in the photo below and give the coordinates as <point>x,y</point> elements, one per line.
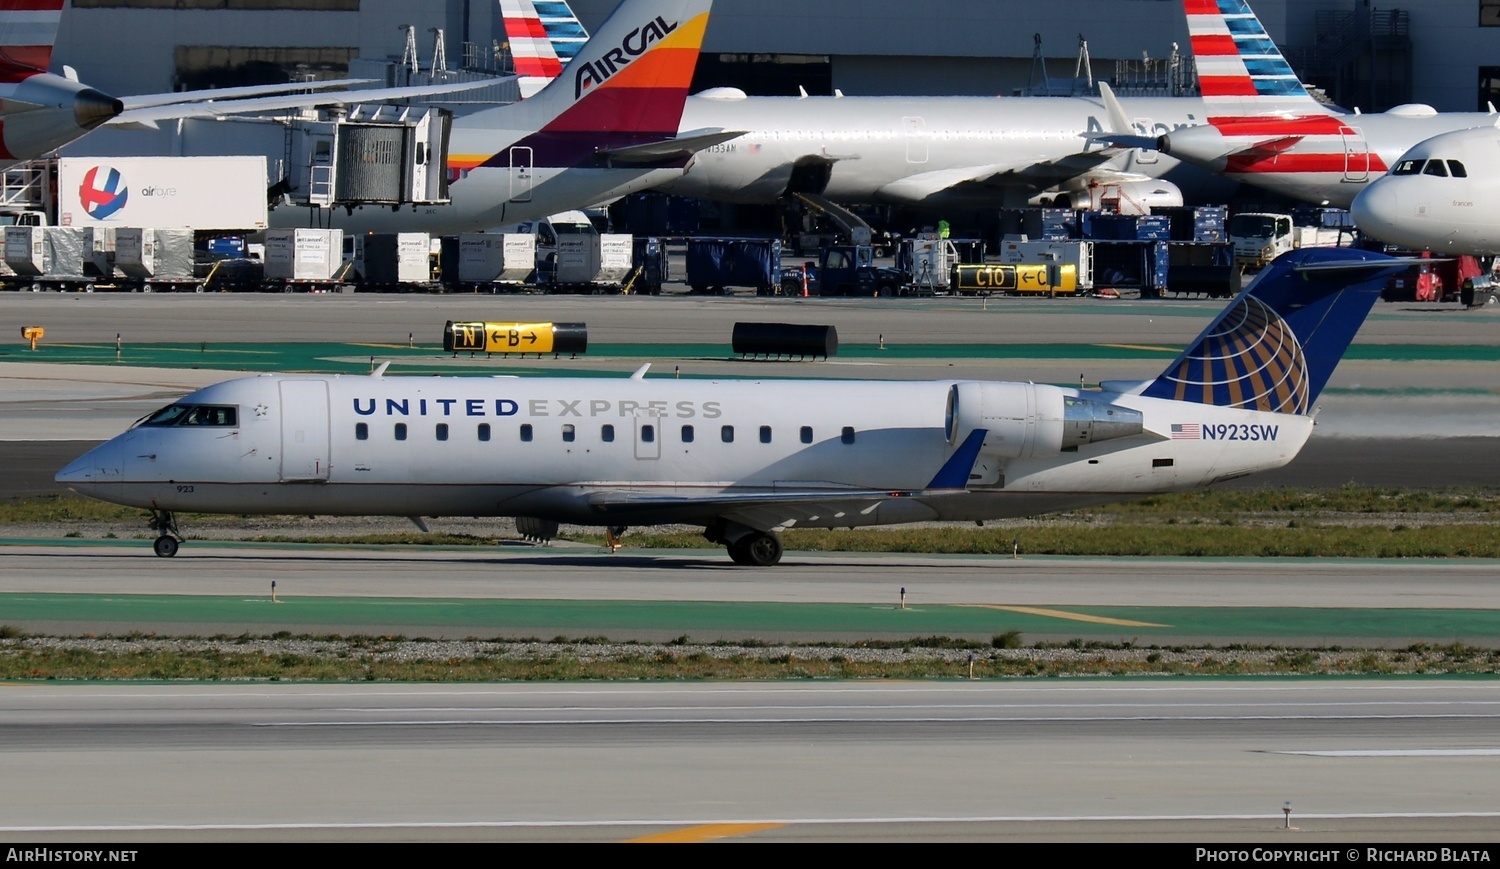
<point>608,127</point>
<point>746,459</point>
<point>1309,152</point>
<point>1443,195</point>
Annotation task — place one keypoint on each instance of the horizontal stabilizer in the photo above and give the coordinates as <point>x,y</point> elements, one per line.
<point>683,146</point>
<point>1270,147</point>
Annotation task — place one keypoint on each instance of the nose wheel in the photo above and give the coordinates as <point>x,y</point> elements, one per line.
<point>170,540</point>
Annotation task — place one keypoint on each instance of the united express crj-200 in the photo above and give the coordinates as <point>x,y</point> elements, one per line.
<point>747,459</point>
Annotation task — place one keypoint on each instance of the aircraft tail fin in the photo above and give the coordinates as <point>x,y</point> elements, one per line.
<point>633,75</point>
<point>28,29</point>
<point>1275,347</point>
<point>1240,69</point>
<point>531,48</point>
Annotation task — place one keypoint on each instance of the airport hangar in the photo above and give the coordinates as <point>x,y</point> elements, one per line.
<point>1435,52</point>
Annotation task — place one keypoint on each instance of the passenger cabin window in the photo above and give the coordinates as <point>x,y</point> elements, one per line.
<point>1457,170</point>
<point>648,434</point>
<point>1408,167</point>
<point>442,431</point>
<point>569,433</point>
<point>806,434</point>
<point>607,434</point>
<point>765,434</point>
<point>726,434</point>
<point>484,431</point>
<point>847,435</point>
<point>361,431</point>
<point>1436,167</point>
<point>526,432</point>
<point>400,431</point>
<point>687,434</point>
<point>225,416</point>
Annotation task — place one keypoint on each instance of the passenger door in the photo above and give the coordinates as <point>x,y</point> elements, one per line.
<point>304,431</point>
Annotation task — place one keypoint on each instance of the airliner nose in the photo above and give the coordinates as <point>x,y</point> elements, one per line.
<point>96,468</point>
<point>92,108</point>
<point>1377,212</point>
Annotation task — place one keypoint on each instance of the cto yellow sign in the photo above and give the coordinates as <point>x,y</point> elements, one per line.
<point>515,337</point>
<point>1020,279</point>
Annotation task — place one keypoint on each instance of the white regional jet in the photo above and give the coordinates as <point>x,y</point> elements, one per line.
<point>745,459</point>
<point>1443,195</point>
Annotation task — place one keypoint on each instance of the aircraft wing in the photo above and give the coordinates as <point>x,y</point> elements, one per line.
<point>684,145</point>
<point>203,108</point>
<point>764,509</point>
<point>142,101</point>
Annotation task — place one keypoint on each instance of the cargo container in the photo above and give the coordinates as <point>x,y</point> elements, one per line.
<point>155,259</point>
<point>311,259</point>
<point>200,193</point>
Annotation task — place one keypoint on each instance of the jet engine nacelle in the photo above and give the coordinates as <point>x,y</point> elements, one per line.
<point>1027,420</point>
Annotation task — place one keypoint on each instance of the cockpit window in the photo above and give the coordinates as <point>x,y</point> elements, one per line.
<point>167,415</point>
<point>211,414</point>
<point>1408,167</point>
<point>1457,170</point>
<point>1436,167</point>
<point>195,414</point>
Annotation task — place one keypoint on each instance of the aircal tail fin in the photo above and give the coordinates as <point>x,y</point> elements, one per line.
<point>28,28</point>
<point>1274,348</point>
<point>632,76</point>
<point>1240,69</point>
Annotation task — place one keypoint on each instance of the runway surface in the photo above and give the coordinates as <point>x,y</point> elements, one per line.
<point>1198,761</point>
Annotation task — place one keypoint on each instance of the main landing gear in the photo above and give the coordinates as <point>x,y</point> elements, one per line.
<point>747,546</point>
<point>165,524</point>
<point>756,549</point>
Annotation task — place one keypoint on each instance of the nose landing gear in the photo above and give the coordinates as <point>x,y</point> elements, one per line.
<point>163,522</point>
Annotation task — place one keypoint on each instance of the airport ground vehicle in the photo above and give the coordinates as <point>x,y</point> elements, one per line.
<point>1260,237</point>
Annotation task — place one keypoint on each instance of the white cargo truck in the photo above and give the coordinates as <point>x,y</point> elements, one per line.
<point>199,193</point>
<point>1261,237</point>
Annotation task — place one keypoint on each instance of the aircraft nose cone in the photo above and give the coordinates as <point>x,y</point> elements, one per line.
<point>92,108</point>
<point>93,469</point>
<point>1377,210</point>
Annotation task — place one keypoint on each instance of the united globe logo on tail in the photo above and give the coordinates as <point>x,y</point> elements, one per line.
<point>612,61</point>
<point>103,192</point>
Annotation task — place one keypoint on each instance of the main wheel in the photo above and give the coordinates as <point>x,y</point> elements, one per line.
<point>166,546</point>
<point>756,550</point>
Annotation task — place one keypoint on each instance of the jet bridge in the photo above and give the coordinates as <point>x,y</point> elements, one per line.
<point>371,155</point>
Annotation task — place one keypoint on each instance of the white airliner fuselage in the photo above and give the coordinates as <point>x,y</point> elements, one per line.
<point>929,151</point>
<point>746,456</point>
<point>1443,195</point>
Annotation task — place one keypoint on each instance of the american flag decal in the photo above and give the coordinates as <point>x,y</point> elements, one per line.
<point>1187,431</point>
